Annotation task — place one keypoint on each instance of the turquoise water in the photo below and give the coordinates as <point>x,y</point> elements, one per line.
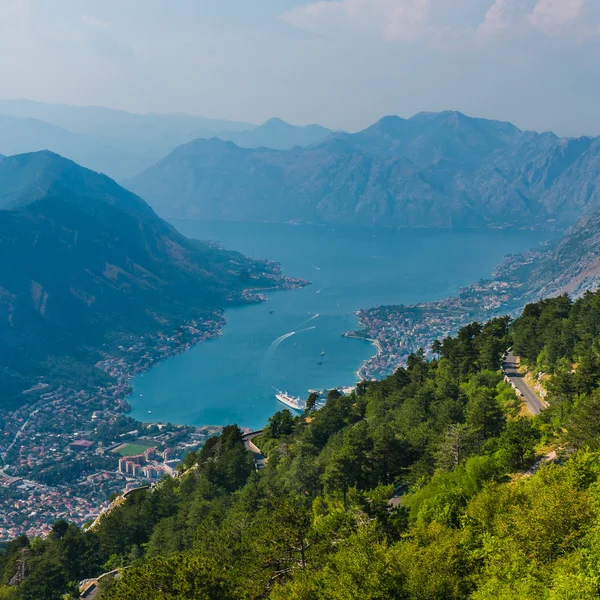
<point>232,379</point>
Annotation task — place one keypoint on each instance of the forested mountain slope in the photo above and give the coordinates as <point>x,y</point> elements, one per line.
<point>434,170</point>
<point>469,517</point>
<point>86,261</point>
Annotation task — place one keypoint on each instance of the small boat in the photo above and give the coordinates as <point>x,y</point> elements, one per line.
<point>271,312</point>
<point>149,412</point>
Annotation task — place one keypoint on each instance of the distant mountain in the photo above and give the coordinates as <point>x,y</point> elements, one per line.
<point>116,157</point>
<point>87,262</point>
<point>98,120</point>
<point>435,169</point>
<point>123,144</point>
<point>276,134</point>
<point>429,138</point>
<point>114,142</point>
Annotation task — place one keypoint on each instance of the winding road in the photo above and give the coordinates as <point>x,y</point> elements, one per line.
<point>510,367</point>
<point>259,460</point>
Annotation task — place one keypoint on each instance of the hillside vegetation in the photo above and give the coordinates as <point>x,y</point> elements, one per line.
<point>469,518</point>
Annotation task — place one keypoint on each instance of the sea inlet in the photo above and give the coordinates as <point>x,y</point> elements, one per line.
<point>294,342</point>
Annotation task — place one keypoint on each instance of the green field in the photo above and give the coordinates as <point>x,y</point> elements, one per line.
<point>133,449</point>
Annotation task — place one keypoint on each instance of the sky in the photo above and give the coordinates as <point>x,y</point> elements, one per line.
<point>341,63</point>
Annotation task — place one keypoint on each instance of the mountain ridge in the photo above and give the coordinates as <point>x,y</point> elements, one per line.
<point>571,265</point>
<point>110,122</point>
<point>123,144</point>
<point>465,173</point>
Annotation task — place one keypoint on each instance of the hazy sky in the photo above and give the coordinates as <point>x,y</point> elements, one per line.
<point>342,63</point>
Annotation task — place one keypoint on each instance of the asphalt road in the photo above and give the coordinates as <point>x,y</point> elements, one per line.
<point>259,460</point>
<point>534,404</point>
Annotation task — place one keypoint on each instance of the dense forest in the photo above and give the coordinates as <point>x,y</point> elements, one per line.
<point>425,485</point>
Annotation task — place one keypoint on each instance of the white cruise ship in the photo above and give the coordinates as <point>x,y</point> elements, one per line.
<point>290,401</point>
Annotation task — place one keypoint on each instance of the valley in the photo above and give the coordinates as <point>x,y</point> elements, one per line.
<point>299,300</point>
<point>129,342</point>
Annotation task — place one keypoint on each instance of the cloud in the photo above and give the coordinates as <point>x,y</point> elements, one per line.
<point>18,9</point>
<point>409,20</point>
<point>405,20</point>
<point>576,19</point>
<point>558,17</point>
<point>95,22</point>
<point>497,19</point>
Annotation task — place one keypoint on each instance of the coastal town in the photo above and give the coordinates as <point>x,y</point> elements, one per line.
<point>68,446</point>
<point>397,331</point>
<point>65,453</point>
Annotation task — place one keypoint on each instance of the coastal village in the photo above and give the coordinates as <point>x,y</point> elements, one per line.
<point>66,452</point>
<point>397,331</point>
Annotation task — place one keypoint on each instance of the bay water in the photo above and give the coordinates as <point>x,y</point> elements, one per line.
<point>278,345</point>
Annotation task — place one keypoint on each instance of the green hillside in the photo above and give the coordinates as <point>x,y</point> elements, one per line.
<point>473,515</point>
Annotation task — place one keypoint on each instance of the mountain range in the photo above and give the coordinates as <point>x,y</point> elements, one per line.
<point>119,158</point>
<point>88,262</point>
<point>432,170</point>
<point>122,144</point>
<point>276,134</point>
<point>91,262</point>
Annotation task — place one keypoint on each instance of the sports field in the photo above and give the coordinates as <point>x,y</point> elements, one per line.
<point>133,449</point>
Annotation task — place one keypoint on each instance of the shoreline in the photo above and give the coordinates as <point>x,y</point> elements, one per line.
<point>418,326</point>
<point>361,373</point>
<point>100,403</point>
<point>324,223</point>
<point>131,355</point>
<point>249,297</point>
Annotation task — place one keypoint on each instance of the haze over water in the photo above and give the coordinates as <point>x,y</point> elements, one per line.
<point>233,379</point>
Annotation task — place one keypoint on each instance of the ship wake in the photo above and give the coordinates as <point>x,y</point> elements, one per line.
<point>286,336</point>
